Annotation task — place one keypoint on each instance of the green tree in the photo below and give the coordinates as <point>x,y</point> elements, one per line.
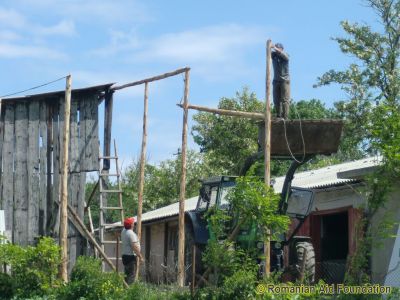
<point>228,141</point>
<point>162,181</point>
<point>372,83</point>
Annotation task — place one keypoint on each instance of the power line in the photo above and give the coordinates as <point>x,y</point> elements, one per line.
<point>33,88</point>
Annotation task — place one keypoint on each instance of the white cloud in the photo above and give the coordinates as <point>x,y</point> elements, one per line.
<point>119,42</point>
<point>11,18</point>
<point>20,37</point>
<point>63,28</point>
<point>208,44</point>
<point>18,51</point>
<point>104,11</point>
<point>212,51</point>
<point>8,35</point>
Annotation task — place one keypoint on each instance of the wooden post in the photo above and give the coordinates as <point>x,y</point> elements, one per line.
<point>267,154</point>
<point>182,194</point>
<point>64,186</point>
<point>142,169</point>
<point>117,253</point>
<point>108,110</point>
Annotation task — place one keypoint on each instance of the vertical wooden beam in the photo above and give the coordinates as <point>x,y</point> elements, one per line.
<point>74,180</point>
<point>33,171</point>
<point>182,194</point>
<point>8,173</point>
<point>108,110</point>
<point>21,175</point>
<point>142,169</point>
<point>147,252</point>
<point>64,185</point>
<point>165,251</point>
<point>2,202</point>
<point>267,148</point>
<point>93,147</point>
<point>117,252</point>
<point>43,188</point>
<point>50,159</point>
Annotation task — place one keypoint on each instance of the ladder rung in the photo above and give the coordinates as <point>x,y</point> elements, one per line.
<point>105,174</point>
<point>109,225</point>
<point>108,157</point>
<point>112,207</point>
<point>111,191</point>
<point>110,242</point>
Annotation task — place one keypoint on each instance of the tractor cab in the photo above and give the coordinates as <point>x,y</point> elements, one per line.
<point>295,202</point>
<point>214,191</point>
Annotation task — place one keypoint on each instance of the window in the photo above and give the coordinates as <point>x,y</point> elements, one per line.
<point>209,198</point>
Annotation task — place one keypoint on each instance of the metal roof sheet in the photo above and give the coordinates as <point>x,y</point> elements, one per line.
<point>46,95</point>
<point>327,176</point>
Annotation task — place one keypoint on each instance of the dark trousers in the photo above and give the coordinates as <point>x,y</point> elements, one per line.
<point>281,96</point>
<point>129,262</point>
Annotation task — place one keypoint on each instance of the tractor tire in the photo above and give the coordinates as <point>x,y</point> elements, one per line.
<point>293,272</point>
<point>309,264</point>
<point>189,244</point>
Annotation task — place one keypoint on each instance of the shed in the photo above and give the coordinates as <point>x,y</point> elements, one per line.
<point>30,145</point>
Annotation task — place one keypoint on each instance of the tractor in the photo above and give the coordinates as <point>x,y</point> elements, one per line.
<point>294,201</point>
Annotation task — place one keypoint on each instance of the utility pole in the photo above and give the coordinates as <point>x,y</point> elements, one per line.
<point>64,185</point>
<point>267,154</point>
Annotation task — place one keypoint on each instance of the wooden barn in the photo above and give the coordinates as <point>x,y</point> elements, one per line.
<point>30,146</point>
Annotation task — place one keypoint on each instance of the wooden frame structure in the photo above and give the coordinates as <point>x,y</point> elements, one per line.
<point>181,258</point>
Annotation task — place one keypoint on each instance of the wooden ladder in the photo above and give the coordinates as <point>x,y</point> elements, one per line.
<point>105,192</point>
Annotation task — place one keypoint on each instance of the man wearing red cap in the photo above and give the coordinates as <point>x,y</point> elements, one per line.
<point>130,249</point>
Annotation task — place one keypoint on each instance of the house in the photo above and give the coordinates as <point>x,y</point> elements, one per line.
<point>332,225</point>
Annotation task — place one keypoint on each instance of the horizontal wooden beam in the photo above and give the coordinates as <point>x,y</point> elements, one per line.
<point>226,112</point>
<point>158,77</point>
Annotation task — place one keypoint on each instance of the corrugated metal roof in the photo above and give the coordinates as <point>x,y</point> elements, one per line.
<point>170,210</point>
<point>327,176</point>
<point>319,178</point>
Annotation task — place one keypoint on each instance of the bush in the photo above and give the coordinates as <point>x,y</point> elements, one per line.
<point>145,291</point>
<point>34,269</point>
<point>241,285</point>
<point>6,286</point>
<point>89,282</point>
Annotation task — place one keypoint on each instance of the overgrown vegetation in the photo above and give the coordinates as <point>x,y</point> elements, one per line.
<point>234,265</point>
<point>372,83</point>
<point>34,269</point>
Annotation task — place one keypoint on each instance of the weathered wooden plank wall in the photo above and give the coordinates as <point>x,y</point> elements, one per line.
<point>20,226</point>
<point>43,135</point>
<point>30,147</point>
<point>7,193</point>
<point>33,165</point>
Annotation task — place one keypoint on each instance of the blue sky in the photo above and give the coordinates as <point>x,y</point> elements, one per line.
<point>121,41</point>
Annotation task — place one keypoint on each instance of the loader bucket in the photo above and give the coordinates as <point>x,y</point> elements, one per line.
<point>287,136</point>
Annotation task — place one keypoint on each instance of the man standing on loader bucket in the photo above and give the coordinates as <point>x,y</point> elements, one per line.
<point>130,249</point>
<point>281,82</point>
